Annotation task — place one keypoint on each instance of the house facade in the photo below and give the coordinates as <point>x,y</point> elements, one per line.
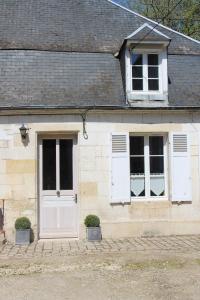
<point>99,114</point>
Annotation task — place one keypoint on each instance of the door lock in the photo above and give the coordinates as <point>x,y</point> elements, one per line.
<point>58,193</point>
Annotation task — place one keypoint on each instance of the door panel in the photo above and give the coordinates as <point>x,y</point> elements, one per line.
<point>67,217</point>
<point>49,217</point>
<point>58,207</point>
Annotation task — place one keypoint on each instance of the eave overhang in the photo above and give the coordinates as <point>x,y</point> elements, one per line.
<point>68,110</point>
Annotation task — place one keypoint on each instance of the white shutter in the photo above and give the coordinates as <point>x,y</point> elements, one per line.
<point>180,167</point>
<point>120,168</point>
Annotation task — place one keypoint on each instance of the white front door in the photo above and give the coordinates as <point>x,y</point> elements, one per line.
<point>58,199</point>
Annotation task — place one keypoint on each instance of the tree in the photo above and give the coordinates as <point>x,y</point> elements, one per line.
<point>183,17</point>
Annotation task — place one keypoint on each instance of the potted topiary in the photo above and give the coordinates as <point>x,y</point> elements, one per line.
<point>93,228</point>
<point>23,231</point>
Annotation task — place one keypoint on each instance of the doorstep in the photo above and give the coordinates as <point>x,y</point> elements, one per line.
<point>57,240</point>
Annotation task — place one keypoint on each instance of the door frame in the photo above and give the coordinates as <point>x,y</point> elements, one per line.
<point>53,135</point>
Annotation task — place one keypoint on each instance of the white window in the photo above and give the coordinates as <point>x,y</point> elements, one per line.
<point>146,75</point>
<point>145,72</point>
<point>139,167</point>
<point>148,166</point>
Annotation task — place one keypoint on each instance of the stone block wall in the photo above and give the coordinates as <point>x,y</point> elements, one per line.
<point>19,178</point>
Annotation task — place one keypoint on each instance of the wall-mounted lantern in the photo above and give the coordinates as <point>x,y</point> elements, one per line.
<point>24,132</point>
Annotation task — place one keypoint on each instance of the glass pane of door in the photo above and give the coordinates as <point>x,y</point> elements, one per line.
<point>49,165</point>
<point>66,165</point>
<point>157,178</point>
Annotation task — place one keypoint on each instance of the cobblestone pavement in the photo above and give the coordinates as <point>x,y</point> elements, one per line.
<point>45,248</point>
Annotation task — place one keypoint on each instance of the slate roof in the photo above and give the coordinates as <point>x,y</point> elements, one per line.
<point>184,75</point>
<point>60,53</point>
<point>74,25</point>
<point>148,34</point>
<point>42,78</point>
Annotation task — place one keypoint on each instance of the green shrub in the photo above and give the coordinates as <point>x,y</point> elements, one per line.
<point>22,223</point>
<point>92,221</point>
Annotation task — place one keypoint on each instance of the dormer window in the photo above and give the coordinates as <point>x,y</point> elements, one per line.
<point>146,66</point>
<point>145,72</point>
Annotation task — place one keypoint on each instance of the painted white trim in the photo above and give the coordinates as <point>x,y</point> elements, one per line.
<point>173,156</point>
<point>68,195</point>
<point>145,95</point>
<point>122,158</point>
<point>154,22</point>
<point>128,74</point>
<point>57,165</point>
<point>147,175</point>
<point>144,42</point>
<point>150,27</point>
<point>150,199</point>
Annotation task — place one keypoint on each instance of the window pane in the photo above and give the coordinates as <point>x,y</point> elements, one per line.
<point>49,164</point>
<point>153,59</point>
<point>153,84</point>
<point>137,187</point>
<point>137,59</point>
<point>157,186</point>
<point>137,165</point>
<point>66,169</point>
<point>138,84</point>
<point>156,145</point>
<point>153,72</point>
<point>137,145</point>
<point>137,72</point>
<point>157,165</point>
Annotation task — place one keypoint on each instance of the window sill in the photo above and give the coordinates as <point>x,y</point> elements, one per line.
<point>150,199</point>
<point>132,96</point>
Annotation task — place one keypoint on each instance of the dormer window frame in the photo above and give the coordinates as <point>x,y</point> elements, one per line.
<point>143,68</point>
<point>146,94</point>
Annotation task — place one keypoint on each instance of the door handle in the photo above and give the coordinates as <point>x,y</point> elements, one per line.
<point>75,198</point>
<point>58,193</point>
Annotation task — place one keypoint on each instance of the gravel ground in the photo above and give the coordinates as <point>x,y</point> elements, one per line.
<point>129,275</point>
